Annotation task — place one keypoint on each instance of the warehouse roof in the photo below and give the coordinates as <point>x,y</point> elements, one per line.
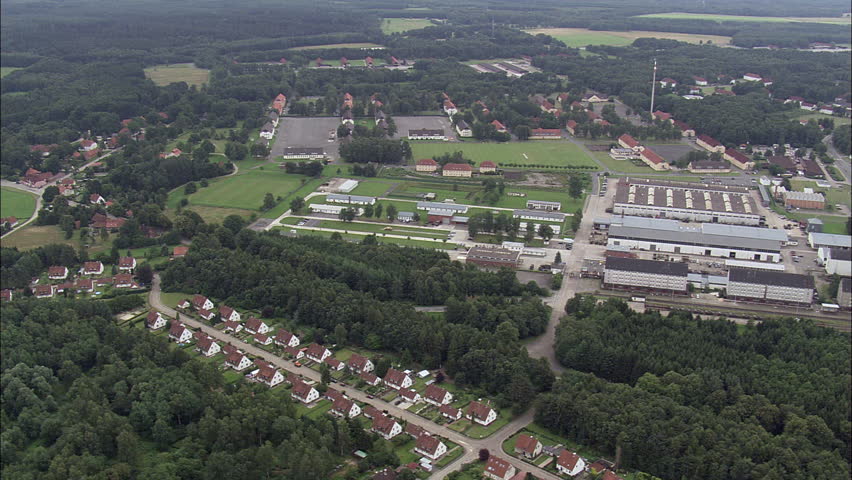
<point>647,266</point>
<point>804,196</point>
<point>765,277</point>
<point>349,198</point>
<point>705,234</point>
<point>830,240</point>
<point>441,206</point>
<point>555,216</point>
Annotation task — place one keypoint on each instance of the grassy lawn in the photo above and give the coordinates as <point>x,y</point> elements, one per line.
<point>745,18</point>
<point>379,229</point>
<point>624,166</point>
<point>551,153</point>
<point>179,72</point>
<point>16,203</point>
<point>339,45</point>
<point>372,188</point>
<point>818,116</point>
<point>580,37</point>
<point>244,190</point>
<point>479,431</point>
<point>833,195</point>
<point>284,205</point>
<point>217,214</point>
<point>173,298</point>
<point>7,70</point>
<point>33,236</point>
<point>397,241</point>
<point>401,25</point>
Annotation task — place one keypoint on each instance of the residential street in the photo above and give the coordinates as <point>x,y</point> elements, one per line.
<point>471,446</point>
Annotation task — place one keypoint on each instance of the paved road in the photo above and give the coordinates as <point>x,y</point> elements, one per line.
<point>842,162</point>
<point>470,445</point>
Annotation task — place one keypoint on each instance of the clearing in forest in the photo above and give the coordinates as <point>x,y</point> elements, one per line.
<point>402,25</point>
<point>746,18</point>
<point>178,72</point>
<point>581,37</point>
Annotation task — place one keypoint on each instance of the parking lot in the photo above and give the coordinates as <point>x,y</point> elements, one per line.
<point>305,132</point>
<point>404,124</point>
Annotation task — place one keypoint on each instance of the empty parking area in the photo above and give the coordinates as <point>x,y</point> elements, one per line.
<point>404,124</point>
<point>305,132</point>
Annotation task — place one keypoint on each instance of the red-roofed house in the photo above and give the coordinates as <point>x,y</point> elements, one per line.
<point>123,280</point>
<point>345,407</point>
<point>335,364</point>
<point>317,352</point>
<point>571,126</point>
<point>437,396</point>
<point>386,426</point>
<point>7,294</point>
<point>480,413</point>
<point>656,162</point>
<point>207,346</point>
<point>43,291</point>
<point>269,376</point>
<point>668,82</point>
<point>752,77</point>
<point>256,325</point>
<point>396,379</point>
<point>426,165</point>
<point>179,251</point>
<point>229,314</point>
<point>88,145</point>
<point>700,81</point>
<point>206,314</point>
<point>545,134</point>
<point>238,361</point>
<point>498,469</point>
<point>11,221</point>
<point>569,463</point>
<point>371,411</point>
<point>85,285</point>
<point>409,395</point>
<point>627,141</point>
<point>738,159</point>
<point>232,327</point>
<point>283,338</point>
<point>450,108</point>
<point>499,126</point>
<point>93,268</point>
<point>369,61</point>
<point>154,320</point>
<point>457,170</point>
<point>685,130</point>
<point>528,446</point>
<point>262,339</point>
<point>126,264</point>
<point>430,447</point>
<point>303,392</point>
<point>296,353</point>
<point>179,333</point>
<point>57,273</point>
<point>97,199</point>
<point>487,167</point>
<point>200,301</point>
<point>450,412</point>
<point>370,379</point>
<point>663,116</point>
<point>358,364</point>
<point>709,143</point>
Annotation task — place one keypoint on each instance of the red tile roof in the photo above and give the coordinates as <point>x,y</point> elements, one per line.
<point>428,443</point>
<point>426,161</point>
<point>545,132</point>
<point>449,410</point>
<point>383,423</point>
<point>526,443</point>
<point>180,251</point>
<point>461,167</point>
<point>357,362</point>
<point>478,410</point>
<point>488,164</point>
<point>497,466</point>
<point>652,156</point>
<point>435,393</point>
<point>57,271</point>
<point>568,459</point>
<point>126,262</point>
<point>301,389</point>
<point>394,376</point>
<point>709,140</point>
<point>629,141</point>
<point>737,155</point>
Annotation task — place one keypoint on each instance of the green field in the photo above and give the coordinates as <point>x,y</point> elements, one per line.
<point>401,25</point>
<point>379,229</point>
<point>625,166</point>
<point>244,191</point>
<point>179,72</point>
<point>15,203</point>
<point>34,236</point>
<point>744,18</point>
<point>819,116</point>
<point>339,45</point>
<point>7,70</point>
<point>581,37</point>
<point>372,188</point>
<point>538,152</point>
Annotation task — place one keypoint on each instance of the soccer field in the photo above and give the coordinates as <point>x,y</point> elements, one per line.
<point>545,153</point>
<point>15,203</point>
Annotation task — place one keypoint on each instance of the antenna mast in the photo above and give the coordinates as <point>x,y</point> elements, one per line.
<point>653,86</point>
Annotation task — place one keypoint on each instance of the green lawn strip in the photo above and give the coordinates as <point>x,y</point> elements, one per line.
<point>284,205</point>
<point>398,241</point>
<point>479,431</point>
<point>34,236</point>
<point>548,153</point>
<point>833,195</point>
<point>397,229</point>
<point>16,203</point>
<point>7,70</point>
<point>745,18</point>
<point>372,188</point>
<point>389,396</point>
<point>818,116</point>
<point>171,299</point>
<point>454,451</point>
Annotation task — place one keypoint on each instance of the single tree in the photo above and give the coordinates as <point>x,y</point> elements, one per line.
<point>268,202</point>
<point>545,231</point>
<point>296,204</point>
<point>391,212</point>
<point>484,454</point>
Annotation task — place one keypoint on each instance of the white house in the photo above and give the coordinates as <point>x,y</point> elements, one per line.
<point>238,361</point>
<point>228,314</point>
<point>57,273</point>
<point>126,264</point>
<point>569,463</point>
<point>93,268</point>
<point>464,129</point>
<point>480,413</point>
<point>752,77</point>
<point>179,333</point>
<point>262,339</point>
<point>207,346</point>
<point>232,327</point>
<point>200,301</point>
<point>206,314</point>
<point>396,379</point>
<point>359,364</point>
<point>386,426</point>
<point>255,325</point>
<point>283,338</point>
<point>430,447</point>
<point>345,407</point>
<point>528,446</point>
<point>437,396</point>
<point>269,375</point>
<point>154,320</point>
<point>409,395</point>
<point>317,352</point>
<point>303,392</point>
<point>498,469</point>
<point>450,412</point>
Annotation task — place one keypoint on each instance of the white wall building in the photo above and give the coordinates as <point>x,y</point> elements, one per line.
<point>775,287</point>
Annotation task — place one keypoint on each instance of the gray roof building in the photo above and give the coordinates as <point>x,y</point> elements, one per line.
<point>679,269</point>
<point>766,277</point>
<point>829,240</point>
<point>703,234</point>
<point>439,206</point>
<point>539,215</point>
<point>345,198</point>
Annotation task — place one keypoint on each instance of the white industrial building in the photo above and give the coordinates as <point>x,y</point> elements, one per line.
<point>819,240</point>
<point>650,275</point>
<point>686,201</point>
<point>557,229</point>
<point>296,153</point>
<point>544,205</point>
<point>427,134</point>
<point>836,261</point>
<point>708,239</point>
<point>772,287</point>
<point>540,215</point>
<point>437,208</point>
<point>348,186</point>
<point>350,199</point>
<point>332,209</point>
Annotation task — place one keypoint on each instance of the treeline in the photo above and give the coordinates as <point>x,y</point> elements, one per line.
<point>372,149</point>
<point>842,139</point>
<point>86,398</point>
<point>369,289</point>
<point>797,371</point>
<point>17,269</point>
<point>528,314</point>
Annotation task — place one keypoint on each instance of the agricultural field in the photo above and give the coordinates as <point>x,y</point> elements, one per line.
<point>7,70</point>
<point>179,72</point>
<point>15,203</point>
<point>745,18</point>
<point>402,25</point>
<point>340,45</point>
<point>550,153</point>
<point>33,236</point>
<point>581,37</point>
<point>820,116</point>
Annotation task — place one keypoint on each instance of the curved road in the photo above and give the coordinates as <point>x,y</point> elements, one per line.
<point>471,446</point>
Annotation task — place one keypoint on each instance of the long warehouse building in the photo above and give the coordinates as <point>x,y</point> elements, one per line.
<point>692,202</point>
<point>645,275</point>
<point>770,287</point>
<point>709,239</point>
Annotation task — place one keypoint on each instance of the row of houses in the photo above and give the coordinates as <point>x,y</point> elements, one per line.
<point>648,156</point>
<point>464,170</point>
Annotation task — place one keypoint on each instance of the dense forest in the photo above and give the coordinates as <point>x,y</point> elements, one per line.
<point>370,289</point>
<point>759,389</point>
<point>84,398</point>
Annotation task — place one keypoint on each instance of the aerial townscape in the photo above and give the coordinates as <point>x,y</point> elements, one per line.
<point>383,240</point>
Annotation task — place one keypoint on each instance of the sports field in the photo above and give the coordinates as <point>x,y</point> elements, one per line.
<point>7,70</point>
<point>15,203</point>
<point>242,191</point>
<point>178,72</point>
<point>533,152</point>
<point>581,37</point>
<point>401,25</point>
<point>339,45</point>
<point>745,18</point>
